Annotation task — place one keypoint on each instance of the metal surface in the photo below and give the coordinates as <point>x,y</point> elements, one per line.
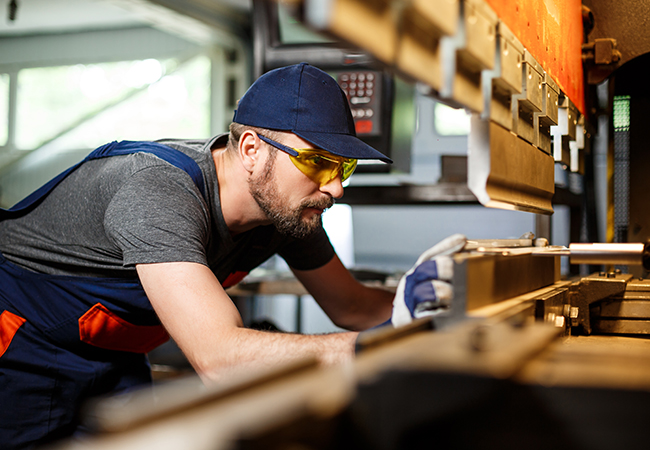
<point>628,314</point>
<point>441,193</point>
<point>633,254</point>
<point>607,253</point>
<point>408,385</point>
<point>367,25</point>
<point>475,244</point>
<point>507,172</point>
<point>638,289</point>
<point>483,280</point>
<point>494,278</point>
<point>444,193</point>
<point>384,335</point>
<point>548,116</point>
<point>468,53</point>
<point>249,404</point>
<point>530,101</point>
<point>551,30</point>
<point>626,22</point>
<point>621,326</point>
<point>553,307</point>
<point>615,302</point>
<point>626,309</point>
<point>592,289</point>
<point>505,80</point>
<point>424,23</point>
<point>565,131</point>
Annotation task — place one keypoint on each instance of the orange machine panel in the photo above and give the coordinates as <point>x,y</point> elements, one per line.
<point>551,30</point>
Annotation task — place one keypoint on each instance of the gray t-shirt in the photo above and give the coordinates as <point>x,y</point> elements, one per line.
<point>113,213</point>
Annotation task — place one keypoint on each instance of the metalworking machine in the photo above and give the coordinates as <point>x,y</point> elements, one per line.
<point>520,358</point>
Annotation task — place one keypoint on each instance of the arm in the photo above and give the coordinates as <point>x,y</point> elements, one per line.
<point>201,318</point>
<point>346,301</point>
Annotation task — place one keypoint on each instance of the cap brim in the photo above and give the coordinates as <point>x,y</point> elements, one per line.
<point>344,145</point>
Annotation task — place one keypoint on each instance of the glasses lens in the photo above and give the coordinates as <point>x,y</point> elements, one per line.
<point>315,166</point>
<point>323,167</point>
<point>348,168</point>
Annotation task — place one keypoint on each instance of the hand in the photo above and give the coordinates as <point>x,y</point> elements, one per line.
<point>425,288</point>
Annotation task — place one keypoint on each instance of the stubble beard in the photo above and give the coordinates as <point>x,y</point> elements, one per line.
<point>286,220</point>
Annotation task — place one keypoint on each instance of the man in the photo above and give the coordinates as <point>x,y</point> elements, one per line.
<point>140,241</point>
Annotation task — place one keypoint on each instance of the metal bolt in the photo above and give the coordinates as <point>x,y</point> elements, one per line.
<point>574,316</point>
<point>611,275</point>
<point>518,321</point>
<point>478,338</point>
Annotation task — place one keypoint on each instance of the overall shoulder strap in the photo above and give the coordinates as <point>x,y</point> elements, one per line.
<point>171,155</point>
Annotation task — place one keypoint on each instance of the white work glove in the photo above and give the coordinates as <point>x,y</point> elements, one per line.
<point>425,287</point>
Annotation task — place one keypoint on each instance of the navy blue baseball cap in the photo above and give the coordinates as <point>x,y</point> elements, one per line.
<point>309,103</point>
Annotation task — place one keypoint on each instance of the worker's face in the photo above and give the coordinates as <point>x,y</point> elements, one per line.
<point>293,202</point>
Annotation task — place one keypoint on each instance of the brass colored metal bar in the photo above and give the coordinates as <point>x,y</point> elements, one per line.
<point>622,326</point>
<point>607,253</point>
<point>624,309</point>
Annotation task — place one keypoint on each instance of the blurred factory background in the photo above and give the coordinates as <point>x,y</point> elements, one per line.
<point>502,117</point>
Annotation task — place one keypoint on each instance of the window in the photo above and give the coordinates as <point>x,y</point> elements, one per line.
<point>4,108</point>
<point>450,121</point>
<point>84,106</point>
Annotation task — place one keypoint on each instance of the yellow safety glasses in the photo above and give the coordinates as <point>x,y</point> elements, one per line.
<point>319,165</point>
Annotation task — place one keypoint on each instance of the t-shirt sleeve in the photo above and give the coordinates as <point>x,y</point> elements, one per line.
<point>158,215</point>
<point>310,253</point>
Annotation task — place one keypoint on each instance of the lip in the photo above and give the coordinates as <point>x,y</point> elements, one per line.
<point>313,210</point>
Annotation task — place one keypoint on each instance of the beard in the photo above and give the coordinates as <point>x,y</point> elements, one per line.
<point>287,220</point>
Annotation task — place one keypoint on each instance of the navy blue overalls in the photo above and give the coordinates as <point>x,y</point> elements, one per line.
<point>64,339</point>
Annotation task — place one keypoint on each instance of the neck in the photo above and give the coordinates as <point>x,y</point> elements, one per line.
<point>240,210</point>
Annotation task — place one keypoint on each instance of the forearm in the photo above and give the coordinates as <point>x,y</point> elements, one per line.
<point>347,302</point>
<point>366,308</point>
<point>205,324</point>
<point>241,349</point>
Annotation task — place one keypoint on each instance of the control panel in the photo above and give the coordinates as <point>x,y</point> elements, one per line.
<point>363,89</point>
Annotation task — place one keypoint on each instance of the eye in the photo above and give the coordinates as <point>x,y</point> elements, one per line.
<point>315,160</point>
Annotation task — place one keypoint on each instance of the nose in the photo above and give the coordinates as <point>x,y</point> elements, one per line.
<point>333,187</point>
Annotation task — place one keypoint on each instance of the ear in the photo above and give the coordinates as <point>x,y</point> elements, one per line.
<point>249,149</point>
